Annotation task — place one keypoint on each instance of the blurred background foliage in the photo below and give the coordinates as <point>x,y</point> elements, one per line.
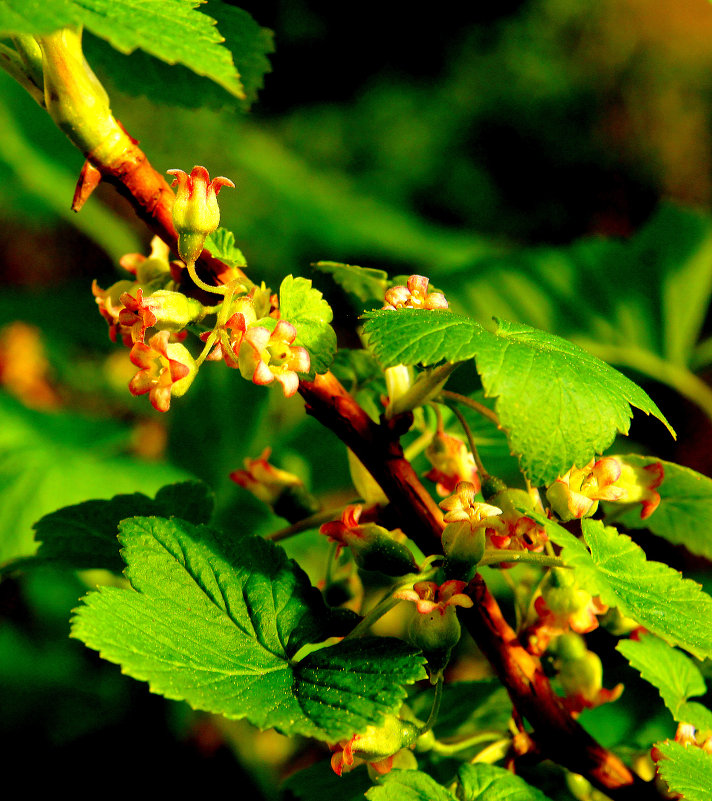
<point>546,161</point>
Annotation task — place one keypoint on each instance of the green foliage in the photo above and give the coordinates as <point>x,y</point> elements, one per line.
<point>559,405</point>
<point>85,535</point>
<point>57,459</point>
<point>171,30</point>
<point>484,782</point>
<point>367,285</point>
<point>229,618</point>
<point>653,594</point>
<point>675,675</point>
<point>687,770</point>
<point>305,307</point>
<point>408,785</point>
<point>684,516</point>
<point>320,783</point>
<point>221,244</point>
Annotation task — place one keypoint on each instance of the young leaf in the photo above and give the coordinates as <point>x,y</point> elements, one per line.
<point>365,283</point>
<point>687,770</point>
<point>675,675</point>
<point>217,623</point>
<point>653,594</point>
<point>559,404</point>
<point>85,535</point>
<point>305,307</point>
<point>684,516</point>
<point>221,244</point>
<point>483,782</point>
<point>408,785</point>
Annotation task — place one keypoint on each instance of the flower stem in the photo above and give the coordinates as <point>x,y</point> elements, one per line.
<point>314,521</point>
<point>435,708</point>
<point>471,442</point>
<point>455,397</point>
<point>446,749</point>
<point>216,290</point>
<point>496,556</point>
<point>427,385</point>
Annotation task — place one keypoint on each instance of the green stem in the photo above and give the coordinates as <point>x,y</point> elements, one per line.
<point>14,65</point>
<point>435,709</point>
<point>455,397</point>
<point>216,290</point>
<point>496,556</point>
<point>493,753</point>
<point>446,749</point>
<point>471,442</point>
<point>308,523</point>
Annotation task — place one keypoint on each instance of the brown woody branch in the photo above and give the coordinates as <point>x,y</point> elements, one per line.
<point>557,734</point>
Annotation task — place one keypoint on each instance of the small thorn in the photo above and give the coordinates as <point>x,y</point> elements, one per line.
<point>89,179</point>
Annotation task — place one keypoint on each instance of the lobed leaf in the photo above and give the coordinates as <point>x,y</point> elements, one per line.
<point>408,785</point>
<point>687,770</point>
<point>653,594</point>
<point>221,244</point>
<point>305,307</point>
<point>368,285</point>
<point>560,405</point>
<point>85,535</point>
<point>675,675</point>
<point>482,782</point>
<point>173,31</point>
<point>217,623</point>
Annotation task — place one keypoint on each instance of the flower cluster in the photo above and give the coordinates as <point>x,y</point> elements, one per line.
<point>580,674</point>
<point>151,317</point>
<point>576,494</point>
<point>414,296</point>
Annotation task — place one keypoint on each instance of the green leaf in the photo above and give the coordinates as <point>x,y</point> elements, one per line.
<point>51,460</point>
<point>320,783</point>
<point>466,707</point>
<point>653,594</point>
<point>675,675</point>
<point>559,404</point>
<point>175,85</point>
<point>483,782</point>
<point>305,307</point>
<point>216,622</point>
<point>408,785</point>
<point>171,30</point>
<point>365,283</point>
<point>85,535</point>
<point>26,17</point>
<point>221,244</point>
<point>684,516</point>
<point>687,770</point>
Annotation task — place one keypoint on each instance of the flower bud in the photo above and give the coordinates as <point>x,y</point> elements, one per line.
<point>166,369</point>
<point>195,212</point>
<point>281,490</point>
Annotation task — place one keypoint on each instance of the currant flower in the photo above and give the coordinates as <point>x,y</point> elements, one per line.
<point>166,369</point>
<point>165,310</point>
<point>266,356</point>
<point>466,523</point>
<point>228,336</point>
<point>451,462</point>
<point>577,492</point>
<point>434,628</point>
<point>513,530</point>
<point>195,212</point>
<point>414,296</point>
<point>580,673</point>
<point>377,746</point>
<point>372,546</point>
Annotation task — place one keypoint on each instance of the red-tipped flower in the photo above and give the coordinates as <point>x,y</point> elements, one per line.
<point>195,212</point>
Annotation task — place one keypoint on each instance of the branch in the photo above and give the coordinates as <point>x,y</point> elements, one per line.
<point>122,163</point>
